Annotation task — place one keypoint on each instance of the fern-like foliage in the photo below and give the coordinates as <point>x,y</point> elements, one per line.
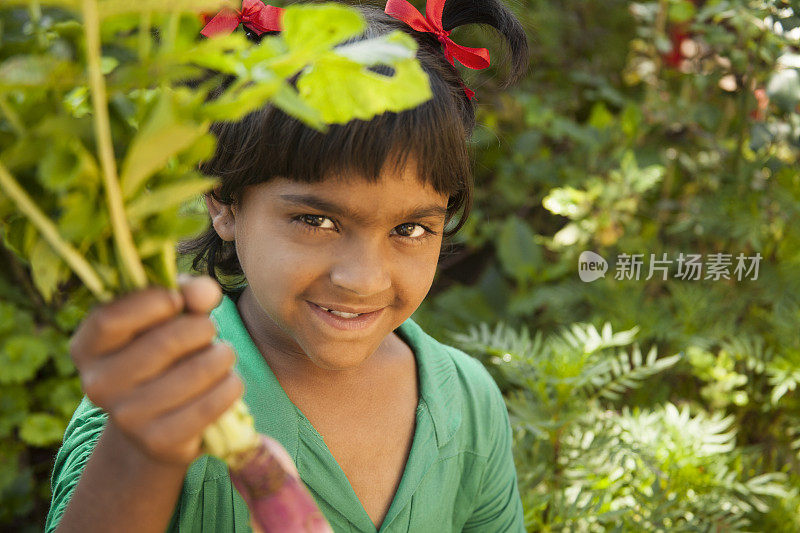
<point>593,464</point>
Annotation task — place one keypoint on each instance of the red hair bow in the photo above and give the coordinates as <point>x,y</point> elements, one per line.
<point>474,58</point>
<point>256,15</point>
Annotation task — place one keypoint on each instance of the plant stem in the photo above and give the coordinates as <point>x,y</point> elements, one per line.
<point>130,263</point>
<point>171,33</point>
<point>169,259</point>
<point>49,232</point>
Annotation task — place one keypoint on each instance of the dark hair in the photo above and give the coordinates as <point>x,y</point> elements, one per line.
<point>268,143</point>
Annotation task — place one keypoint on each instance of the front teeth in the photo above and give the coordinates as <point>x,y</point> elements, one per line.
<point>341,313</point>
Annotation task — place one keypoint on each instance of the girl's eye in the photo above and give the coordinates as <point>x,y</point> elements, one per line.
<point>316,221</point>
<point>413,231</point>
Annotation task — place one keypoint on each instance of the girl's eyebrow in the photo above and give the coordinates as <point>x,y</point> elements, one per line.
<point>315,202</point>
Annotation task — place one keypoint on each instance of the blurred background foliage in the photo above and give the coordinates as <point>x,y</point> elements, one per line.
<point>665,127</point>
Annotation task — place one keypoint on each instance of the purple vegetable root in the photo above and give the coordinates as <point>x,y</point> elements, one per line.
<point>278,500</point>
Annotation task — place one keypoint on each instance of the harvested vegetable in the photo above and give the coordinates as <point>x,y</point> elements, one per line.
<point>265,476</point>
<point>93,214</point>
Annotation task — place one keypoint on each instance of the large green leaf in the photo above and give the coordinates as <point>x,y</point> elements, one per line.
<point>48,269</point>
<point>42,429</point>
<point>244,99</point>
<point>20,357</point>
<point>163,136</point>
<point>343,88</point>
<point>168,197</point>
<point>312,29</point>
<point>35,71</point>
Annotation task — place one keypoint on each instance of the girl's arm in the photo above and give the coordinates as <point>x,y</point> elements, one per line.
<point>122,489</point>
<point>149,362</point>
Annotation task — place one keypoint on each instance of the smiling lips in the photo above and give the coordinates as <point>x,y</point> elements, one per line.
<point>342,313</point>
<point>345,311</point>
<point>346,318</point>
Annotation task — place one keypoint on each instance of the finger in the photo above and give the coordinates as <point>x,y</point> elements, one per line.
<point>187,379</point>
<point>167,433</point>
<point>147,356</point>
<point>202,294</point>
<point>113,325</point>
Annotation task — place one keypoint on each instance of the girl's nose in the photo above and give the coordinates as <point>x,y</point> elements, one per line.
<point>362,269</point>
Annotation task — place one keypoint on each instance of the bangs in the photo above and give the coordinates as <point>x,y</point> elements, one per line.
<point>268,144</point>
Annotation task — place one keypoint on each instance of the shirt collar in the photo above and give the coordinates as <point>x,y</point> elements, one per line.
<point>437,380</point>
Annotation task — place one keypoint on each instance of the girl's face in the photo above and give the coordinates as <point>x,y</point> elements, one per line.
<point>343,244</point>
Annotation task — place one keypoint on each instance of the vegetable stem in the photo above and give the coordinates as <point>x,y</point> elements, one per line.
<point>232,434</point>
<point>131,264</point>
<point>49,232</point>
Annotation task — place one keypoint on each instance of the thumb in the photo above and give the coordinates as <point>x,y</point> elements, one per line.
<point>201,293</point>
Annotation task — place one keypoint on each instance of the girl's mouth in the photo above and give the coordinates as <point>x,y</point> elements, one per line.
<point>343,320</point>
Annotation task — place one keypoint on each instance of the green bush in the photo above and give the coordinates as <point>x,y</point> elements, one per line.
<point>667,127</point>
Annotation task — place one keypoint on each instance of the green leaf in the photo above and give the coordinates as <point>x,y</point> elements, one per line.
<point>343,89</point>
<point>77,101</point>
<point>59,395</point>
<point>48,269</point>
<point>600,117</point>
<point>8,315</point>
<point>288,100</point>
<point>211,53</point>
<point>519,253</point>
<point>42,429</point>
<point>314,29</point>
<point>168,197</point>
<point>80,221</point>
<point>21,357</point>
<point>59,168</point>
<point>19,236</point>
<point>108,64</point>
<point>163,136</point>
<point>681,11</point>
<point>66,164</point>
<point>385,49</point>
<point>35,71</point>
<point>236,103</point>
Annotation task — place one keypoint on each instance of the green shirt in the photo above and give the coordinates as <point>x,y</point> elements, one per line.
<point>459,475</point>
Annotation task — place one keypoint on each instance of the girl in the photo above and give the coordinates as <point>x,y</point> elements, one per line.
<point>324,244</point>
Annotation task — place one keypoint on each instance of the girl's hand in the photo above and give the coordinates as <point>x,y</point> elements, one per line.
<point>154,370</point>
